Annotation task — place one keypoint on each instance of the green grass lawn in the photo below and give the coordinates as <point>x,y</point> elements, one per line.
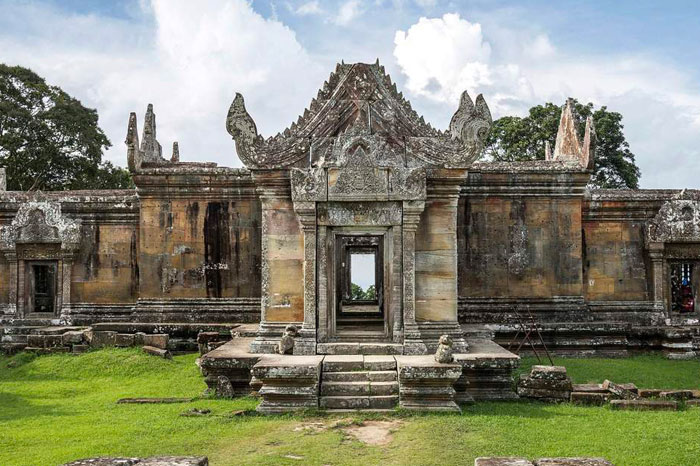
<point>59,408</point>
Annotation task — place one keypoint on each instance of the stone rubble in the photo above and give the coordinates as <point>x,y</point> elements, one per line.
<point>545,383</point>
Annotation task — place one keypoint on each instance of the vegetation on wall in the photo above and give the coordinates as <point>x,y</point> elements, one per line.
<point>49,140</point>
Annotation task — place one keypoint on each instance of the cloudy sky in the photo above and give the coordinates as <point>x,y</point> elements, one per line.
<point>189,58</point>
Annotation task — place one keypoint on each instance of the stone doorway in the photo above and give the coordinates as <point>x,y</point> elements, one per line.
<point>359,287</point>
<point>41,283</point>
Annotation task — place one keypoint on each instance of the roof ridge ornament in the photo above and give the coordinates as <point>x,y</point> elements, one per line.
<point>337,109</point>
<point>150,150</point>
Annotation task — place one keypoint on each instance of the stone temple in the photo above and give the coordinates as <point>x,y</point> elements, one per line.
<point>456,256</point>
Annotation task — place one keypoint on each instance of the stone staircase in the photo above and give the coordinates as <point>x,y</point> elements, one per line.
<point>350,382</point>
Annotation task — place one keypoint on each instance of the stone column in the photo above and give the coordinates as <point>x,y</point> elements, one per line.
<point>411,217</point>
<point>11,257</point>
<point>322,284</point>
<point>63,299</point>
<point>306,343</point>
<point>656,254</point>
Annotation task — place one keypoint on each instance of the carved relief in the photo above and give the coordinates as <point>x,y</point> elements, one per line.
<point>40,222</point>
<point>359,213</point>
<point>309,185</point>
<point>678,221</point>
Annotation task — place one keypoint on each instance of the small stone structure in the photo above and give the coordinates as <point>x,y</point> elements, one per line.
<point>545,383</point>
<point>150,461</point>
<point>513,461</point>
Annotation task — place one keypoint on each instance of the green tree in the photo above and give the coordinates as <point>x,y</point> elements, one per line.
<point>517,139</point>
<point>48,140</point>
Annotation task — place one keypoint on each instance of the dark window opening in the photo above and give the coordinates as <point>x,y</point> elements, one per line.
<point>682,287</point>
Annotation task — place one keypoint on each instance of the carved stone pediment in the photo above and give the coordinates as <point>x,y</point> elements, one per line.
<point>359,108</point>
<point>678,221</point>
<point>40,222</point>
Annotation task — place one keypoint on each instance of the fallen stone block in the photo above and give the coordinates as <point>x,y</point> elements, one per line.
<point>73,337</point>
<point>79,349</point>
<point>649,392</point>
<point>572,462</point>
<point>124,340</point>
<point>53,341</point>
<point>627,392</point>
<point>588,388</point>
<point>505,461</point>
<point>545,384</point>
<point>677,395</point>
<point>544,393</point>
<point>103,338</point>
<point>588,398</point>
<point>693,403</point>
<point>208,337</point>
<point>549,372</point>
<point>157,340</point>
<point>150,461</point>
<point>686,356</point>
<point>644,405</point>
<point>142,401</point>
<point>163,353</point>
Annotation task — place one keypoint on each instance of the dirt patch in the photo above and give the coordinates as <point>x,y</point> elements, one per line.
<point>373,432</point>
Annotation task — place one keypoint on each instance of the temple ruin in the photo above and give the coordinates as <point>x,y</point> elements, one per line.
<point>453,252</point>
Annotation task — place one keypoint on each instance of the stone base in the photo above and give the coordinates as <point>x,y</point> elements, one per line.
<point>233,361</point>
<point>426,385</point>
<point>289,383</point>
<point>486,372</point>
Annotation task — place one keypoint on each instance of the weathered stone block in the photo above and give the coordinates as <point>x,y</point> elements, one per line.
<point>588,398</point>
<point>343,363</point>
<point>288,382</point>
<point>36,341</point>
<point>644,405</point>
<point>344,402</point>
<point>548,372</point>
<point>344,388</point>
<point>649,392</point>
<point>384,388</point>
<point>103,338</point>
<point>509,461</point>
<point>572,462</point>
<point>382,376</point>
<point>152,350</point>
<point>625,391</point>
<point>79,349</point>
<point>73,337</point>
<point>379,363</point>
<point>158,340</point>
<point>124,340</point>
<point>383,402</point>
<point>676,395</point>
<point>425,384</point>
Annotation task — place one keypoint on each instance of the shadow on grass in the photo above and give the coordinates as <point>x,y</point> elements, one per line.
<point>15,407</point>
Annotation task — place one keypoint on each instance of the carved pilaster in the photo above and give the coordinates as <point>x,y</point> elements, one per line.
<point>411,217</point>
<point>656,254</point>
<point>306,342</point>
<point>11,257</point>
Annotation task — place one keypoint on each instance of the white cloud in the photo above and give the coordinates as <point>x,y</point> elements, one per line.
<point>309,8</point>
<point>349,11</point>
<point>189,63</point>
<point>660,104</point>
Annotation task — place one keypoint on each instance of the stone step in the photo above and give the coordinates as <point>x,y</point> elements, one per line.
<point>379,363</point>
<point>359,348</point>
<point>344,388</point>
<point>343,363</point>
<point>359,402</point>
<point>14,339</point>
<point>360,376</point>
<point>383,388</point>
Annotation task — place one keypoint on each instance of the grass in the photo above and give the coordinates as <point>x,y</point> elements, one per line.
<point>55,409</point>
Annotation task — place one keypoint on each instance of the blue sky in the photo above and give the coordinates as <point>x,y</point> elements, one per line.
<point>189,58</point>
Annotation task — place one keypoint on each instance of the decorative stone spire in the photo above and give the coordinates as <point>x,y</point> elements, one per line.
<point>149,151</point>
<point>133,152</point>
<point>150,146</point>
<point>176,153</point>
<point>568,146</point>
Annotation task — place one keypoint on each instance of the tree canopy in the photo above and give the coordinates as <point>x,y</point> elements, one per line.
<point>49,140</point>
<point>523,138</point>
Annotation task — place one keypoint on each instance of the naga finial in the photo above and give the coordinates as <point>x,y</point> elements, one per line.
<point>471,122</point>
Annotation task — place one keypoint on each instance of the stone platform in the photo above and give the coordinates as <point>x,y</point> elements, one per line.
<point>361,382</point>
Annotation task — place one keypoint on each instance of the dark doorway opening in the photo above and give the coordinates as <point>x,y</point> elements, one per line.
<point>41,284</point>
<point>359,286</point>
<point>684,287</point>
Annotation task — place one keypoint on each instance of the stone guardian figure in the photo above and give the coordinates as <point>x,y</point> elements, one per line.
<point>286,344</point>
<point>443,355</point>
